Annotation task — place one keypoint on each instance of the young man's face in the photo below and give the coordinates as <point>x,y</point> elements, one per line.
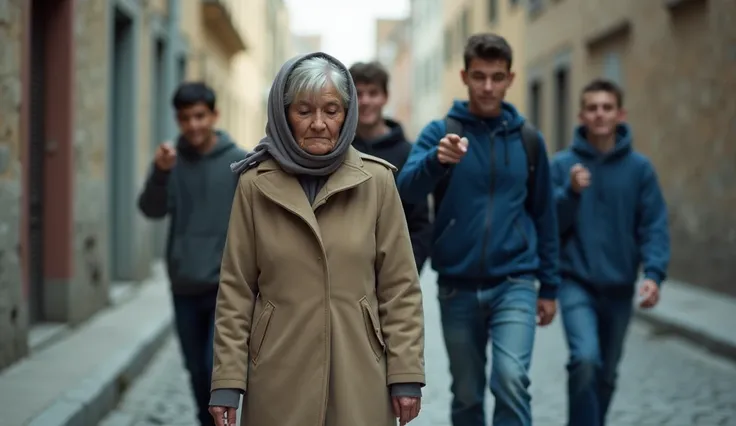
<point>371,100</point>
<point>196,123</point>
<point>487,82</point>
<point>600,113</point>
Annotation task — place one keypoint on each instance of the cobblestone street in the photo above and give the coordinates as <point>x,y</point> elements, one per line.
<point>663,381</point>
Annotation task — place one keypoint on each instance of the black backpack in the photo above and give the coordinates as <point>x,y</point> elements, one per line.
<point>530,141</point>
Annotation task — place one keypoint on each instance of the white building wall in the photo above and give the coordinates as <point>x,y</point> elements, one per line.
<point>427,44</point>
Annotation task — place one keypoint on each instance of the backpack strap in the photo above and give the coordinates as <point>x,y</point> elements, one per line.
<point>531,142</point>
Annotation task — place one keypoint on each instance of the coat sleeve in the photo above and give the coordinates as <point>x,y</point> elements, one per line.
<point>236,296</point>
<point>398,291</point>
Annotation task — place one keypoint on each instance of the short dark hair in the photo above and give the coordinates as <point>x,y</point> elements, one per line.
<point>489,47</point>
<point>603,85</point>
<point>190,93</point>
<point>370,73</point>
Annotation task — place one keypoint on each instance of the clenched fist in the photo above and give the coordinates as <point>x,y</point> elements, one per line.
<point>165,157</point>
<point>452,149</point>
<point>579,178</point>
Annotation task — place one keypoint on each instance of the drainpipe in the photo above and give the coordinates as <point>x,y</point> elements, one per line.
<point>171,64</point>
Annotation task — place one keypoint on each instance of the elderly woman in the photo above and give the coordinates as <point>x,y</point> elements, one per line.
<point>319,316</point>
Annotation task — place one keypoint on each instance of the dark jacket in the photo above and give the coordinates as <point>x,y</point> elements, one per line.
<point>616,224</point>
<point>394,148</point>
<point>197,195</point>
<point>483,230</point>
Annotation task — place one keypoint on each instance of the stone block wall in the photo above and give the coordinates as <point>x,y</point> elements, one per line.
<point>89,286</point>
<point>13,305</point>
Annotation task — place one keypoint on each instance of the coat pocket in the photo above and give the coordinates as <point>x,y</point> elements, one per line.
<point>373,329</point>
<point>258,335</point>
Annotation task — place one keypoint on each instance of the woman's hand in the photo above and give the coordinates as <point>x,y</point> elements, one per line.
<point>224,416</point>
<point>406,408</point>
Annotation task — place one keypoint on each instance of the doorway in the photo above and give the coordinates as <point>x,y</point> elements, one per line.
<point>562,108</point>
<point>36,159</point>
<point>49,177</point>
<point>122,149</point>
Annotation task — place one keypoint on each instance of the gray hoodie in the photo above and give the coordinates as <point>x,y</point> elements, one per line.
<point>197,195</point>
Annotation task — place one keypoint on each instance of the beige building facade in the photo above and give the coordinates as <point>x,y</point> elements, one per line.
<point>393,51</point>
<point>86,100</point>
<point>461,19</point>
<point>675,61</point>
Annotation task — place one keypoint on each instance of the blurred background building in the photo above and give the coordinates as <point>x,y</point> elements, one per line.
<point>85,92</point>
<point>304,44</point>
<point>393,51</point>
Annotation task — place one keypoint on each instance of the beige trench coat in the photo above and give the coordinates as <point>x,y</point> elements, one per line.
<point>319,307</point>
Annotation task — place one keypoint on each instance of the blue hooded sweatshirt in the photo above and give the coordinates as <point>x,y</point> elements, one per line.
<point>616,224</point>
<point>482,229</point>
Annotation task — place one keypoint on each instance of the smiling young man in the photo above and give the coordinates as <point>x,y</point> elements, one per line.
<point>191,183</point>
<point>495,235</point>
<point>612,219</point>
<point>384,138</point>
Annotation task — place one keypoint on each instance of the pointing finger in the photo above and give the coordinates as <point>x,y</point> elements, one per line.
<point>453,138</point>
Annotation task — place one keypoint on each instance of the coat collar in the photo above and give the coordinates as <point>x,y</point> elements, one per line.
<point>284,189</point>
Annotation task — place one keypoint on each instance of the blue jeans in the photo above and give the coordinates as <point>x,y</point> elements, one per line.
<point>595,327</point>
<point>195,322</point>
<point>470,317</point>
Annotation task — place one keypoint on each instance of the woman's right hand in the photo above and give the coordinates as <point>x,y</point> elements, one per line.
<point>224,416</point>
<point>406,408</point>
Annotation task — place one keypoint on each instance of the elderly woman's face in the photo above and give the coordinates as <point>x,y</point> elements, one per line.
<point>316,121</point>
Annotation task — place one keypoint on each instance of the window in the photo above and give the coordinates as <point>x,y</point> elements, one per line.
<point>562,107</point>
<point>492,10</point>
<point>535,103</point>
<point>612,68</point>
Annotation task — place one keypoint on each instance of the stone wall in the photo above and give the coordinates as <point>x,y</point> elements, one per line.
<point>89,286</point>
<point>678,70</point>
<point>13,306</point>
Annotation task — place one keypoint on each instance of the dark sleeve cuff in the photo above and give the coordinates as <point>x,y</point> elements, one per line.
<point>225,398</point>
<point>160,177</point>
<point>433,163</point>
<point>570,193</point>
<point>548,291</point>
<point>654,276</point>
<point>407,389</point>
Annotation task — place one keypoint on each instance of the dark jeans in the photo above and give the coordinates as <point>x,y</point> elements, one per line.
<point>195,322</point>
<point>595,327</point>
<point>470,317</point>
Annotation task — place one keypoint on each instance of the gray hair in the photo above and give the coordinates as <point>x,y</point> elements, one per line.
<point>312,75</point>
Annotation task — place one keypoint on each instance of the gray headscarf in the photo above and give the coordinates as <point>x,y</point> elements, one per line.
<point>280,144</point>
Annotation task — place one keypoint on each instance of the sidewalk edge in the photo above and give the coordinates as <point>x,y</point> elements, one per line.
<point>89,402</point>
<point>663,324</point>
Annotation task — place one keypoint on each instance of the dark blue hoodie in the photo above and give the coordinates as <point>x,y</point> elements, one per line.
<point>197,195</point>
<point>482,228</point>
<point>616,224</point>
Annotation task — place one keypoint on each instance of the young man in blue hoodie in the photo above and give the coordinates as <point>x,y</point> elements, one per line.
<point>495,235</point>
<point>612,219</point>
<point>191,183</point>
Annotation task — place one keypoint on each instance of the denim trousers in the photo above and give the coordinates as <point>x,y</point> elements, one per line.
<point>506,315</point>
<point>595,329</point>
<point>194,316</point>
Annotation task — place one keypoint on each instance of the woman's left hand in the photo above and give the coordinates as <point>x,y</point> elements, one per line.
<point>406,408</point>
